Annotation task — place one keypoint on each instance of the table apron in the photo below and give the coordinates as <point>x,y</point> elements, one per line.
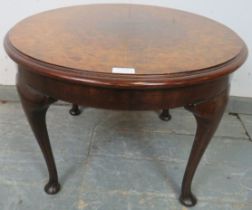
<point>122,99</point>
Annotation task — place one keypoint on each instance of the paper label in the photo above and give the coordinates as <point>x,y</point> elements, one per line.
<point>123,70</point>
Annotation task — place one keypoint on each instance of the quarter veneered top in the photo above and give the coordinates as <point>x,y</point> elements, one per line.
<point>152,40</point>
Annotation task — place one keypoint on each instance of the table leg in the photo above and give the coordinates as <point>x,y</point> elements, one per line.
<point>208,115</point>
<point>165,115</point>
<point>35,107</point>
<point>75,110</point>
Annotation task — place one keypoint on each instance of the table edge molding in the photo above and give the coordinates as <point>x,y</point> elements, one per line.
<point>125,80</point>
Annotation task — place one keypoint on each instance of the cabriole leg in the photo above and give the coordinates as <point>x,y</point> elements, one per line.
<point>208,115</point>
<point>35,106</point>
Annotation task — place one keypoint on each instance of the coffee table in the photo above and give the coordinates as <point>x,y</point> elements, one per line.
<point>125,57</point>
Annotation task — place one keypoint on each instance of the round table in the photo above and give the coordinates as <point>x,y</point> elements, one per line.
<point>125,57</point>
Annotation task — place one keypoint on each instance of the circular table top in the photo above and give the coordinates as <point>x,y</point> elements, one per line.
<point>125,45</point>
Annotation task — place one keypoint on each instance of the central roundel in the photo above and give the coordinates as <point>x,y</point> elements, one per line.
<point>151,40</point>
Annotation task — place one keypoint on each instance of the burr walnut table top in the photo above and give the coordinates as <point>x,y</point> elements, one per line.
<point>173,58</point>
<point>165,47</point>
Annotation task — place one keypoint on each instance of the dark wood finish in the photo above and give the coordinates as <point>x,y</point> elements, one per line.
<point>165,115</point>
<point>123,99</point>
<point>75,110</point>
<point>180,60</point>
<point>208,115</point>
<point>35,106</point>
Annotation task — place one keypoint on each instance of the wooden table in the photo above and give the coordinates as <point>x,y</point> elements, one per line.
<point>125,57</point>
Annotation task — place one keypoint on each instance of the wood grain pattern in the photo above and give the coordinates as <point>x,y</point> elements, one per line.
<point>163,45</point>
<point>180,59</point>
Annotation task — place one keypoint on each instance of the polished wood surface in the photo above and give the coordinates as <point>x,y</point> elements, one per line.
<point>162,45</point>
<point>180,59</point>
